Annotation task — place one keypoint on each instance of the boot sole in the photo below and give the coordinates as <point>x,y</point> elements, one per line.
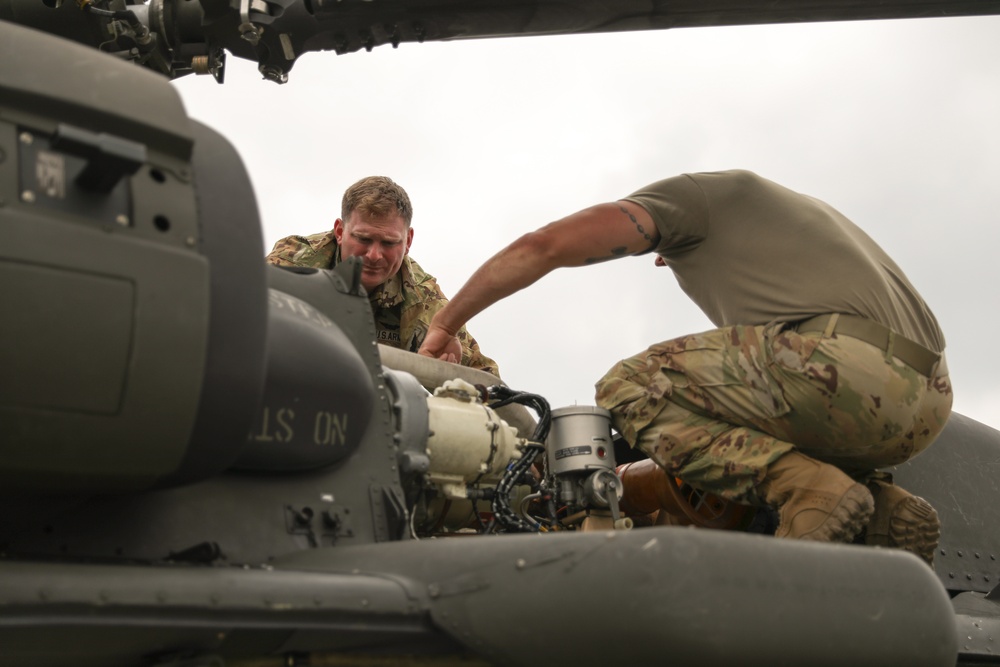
<point>914,526</point>
<point>847,519</point>
<point>904,521</point>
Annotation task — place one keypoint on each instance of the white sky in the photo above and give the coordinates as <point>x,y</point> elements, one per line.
<point>895,123</point>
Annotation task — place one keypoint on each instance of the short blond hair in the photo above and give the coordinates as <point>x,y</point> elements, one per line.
<point>377,196</point>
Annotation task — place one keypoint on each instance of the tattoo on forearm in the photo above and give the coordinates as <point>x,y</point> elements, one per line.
<point>620,251</point>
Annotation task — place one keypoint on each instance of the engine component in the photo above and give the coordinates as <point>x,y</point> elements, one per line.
<point>648,489</point>
<point>581,460</point>
<point>468,442</point>
<point>580,440</point>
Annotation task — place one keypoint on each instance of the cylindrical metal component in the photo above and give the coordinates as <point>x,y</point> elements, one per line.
<point>308,417</point>
<point>599,486</point>
<point>646,488</point>
<point>467,440</point>
<point>432,373</point>
<point>580,440</point>
<point>200,65</point>
<point>649,488</point>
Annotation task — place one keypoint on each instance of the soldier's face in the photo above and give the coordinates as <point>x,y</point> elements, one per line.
<point>381,243</point>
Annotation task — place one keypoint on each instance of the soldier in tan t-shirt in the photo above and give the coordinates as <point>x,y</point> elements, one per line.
<point>826,364</point>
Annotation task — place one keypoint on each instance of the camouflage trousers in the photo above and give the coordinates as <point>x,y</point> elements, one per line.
<point>716,408</point>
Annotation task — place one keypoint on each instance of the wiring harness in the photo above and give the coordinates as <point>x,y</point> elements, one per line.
<point>518,471</point>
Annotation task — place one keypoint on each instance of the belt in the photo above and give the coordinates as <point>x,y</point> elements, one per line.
<point>915,355</point>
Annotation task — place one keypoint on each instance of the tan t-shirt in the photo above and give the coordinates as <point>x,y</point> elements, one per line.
<point>749,251</point>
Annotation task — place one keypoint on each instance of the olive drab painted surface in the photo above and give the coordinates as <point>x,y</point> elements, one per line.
<point>132,537</point>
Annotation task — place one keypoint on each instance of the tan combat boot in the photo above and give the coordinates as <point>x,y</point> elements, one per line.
<point>903,521</point>
<point>815,501</point>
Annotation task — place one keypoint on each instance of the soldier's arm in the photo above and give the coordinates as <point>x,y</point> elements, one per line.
<point>597,234</point>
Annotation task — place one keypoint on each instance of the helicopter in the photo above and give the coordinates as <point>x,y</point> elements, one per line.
<point>142,525</point>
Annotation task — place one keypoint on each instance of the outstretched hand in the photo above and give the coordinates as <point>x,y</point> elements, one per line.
<point>440,344</point>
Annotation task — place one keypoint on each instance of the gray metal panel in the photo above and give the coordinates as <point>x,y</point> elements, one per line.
<point>96,615</point>
<point>977,618</point>
<point>51,315</point>
<point>648,595</point>
<point>71,449</point>
<point>960,475</point>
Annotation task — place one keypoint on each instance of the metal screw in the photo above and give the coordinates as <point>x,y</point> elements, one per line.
<point>122,220</point>
<point>28,197</point>
<point>26,138</point>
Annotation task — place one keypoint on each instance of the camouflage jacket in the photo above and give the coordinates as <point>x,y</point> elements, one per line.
<point>403,306</point>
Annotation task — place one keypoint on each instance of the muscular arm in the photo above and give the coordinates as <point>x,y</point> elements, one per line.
<point>596,234</point>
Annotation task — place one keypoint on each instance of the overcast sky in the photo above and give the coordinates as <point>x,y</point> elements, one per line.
<point>895,123</point>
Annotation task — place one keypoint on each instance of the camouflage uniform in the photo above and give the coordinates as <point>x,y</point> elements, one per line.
<point>403,306</point>
<point>716,408</point>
